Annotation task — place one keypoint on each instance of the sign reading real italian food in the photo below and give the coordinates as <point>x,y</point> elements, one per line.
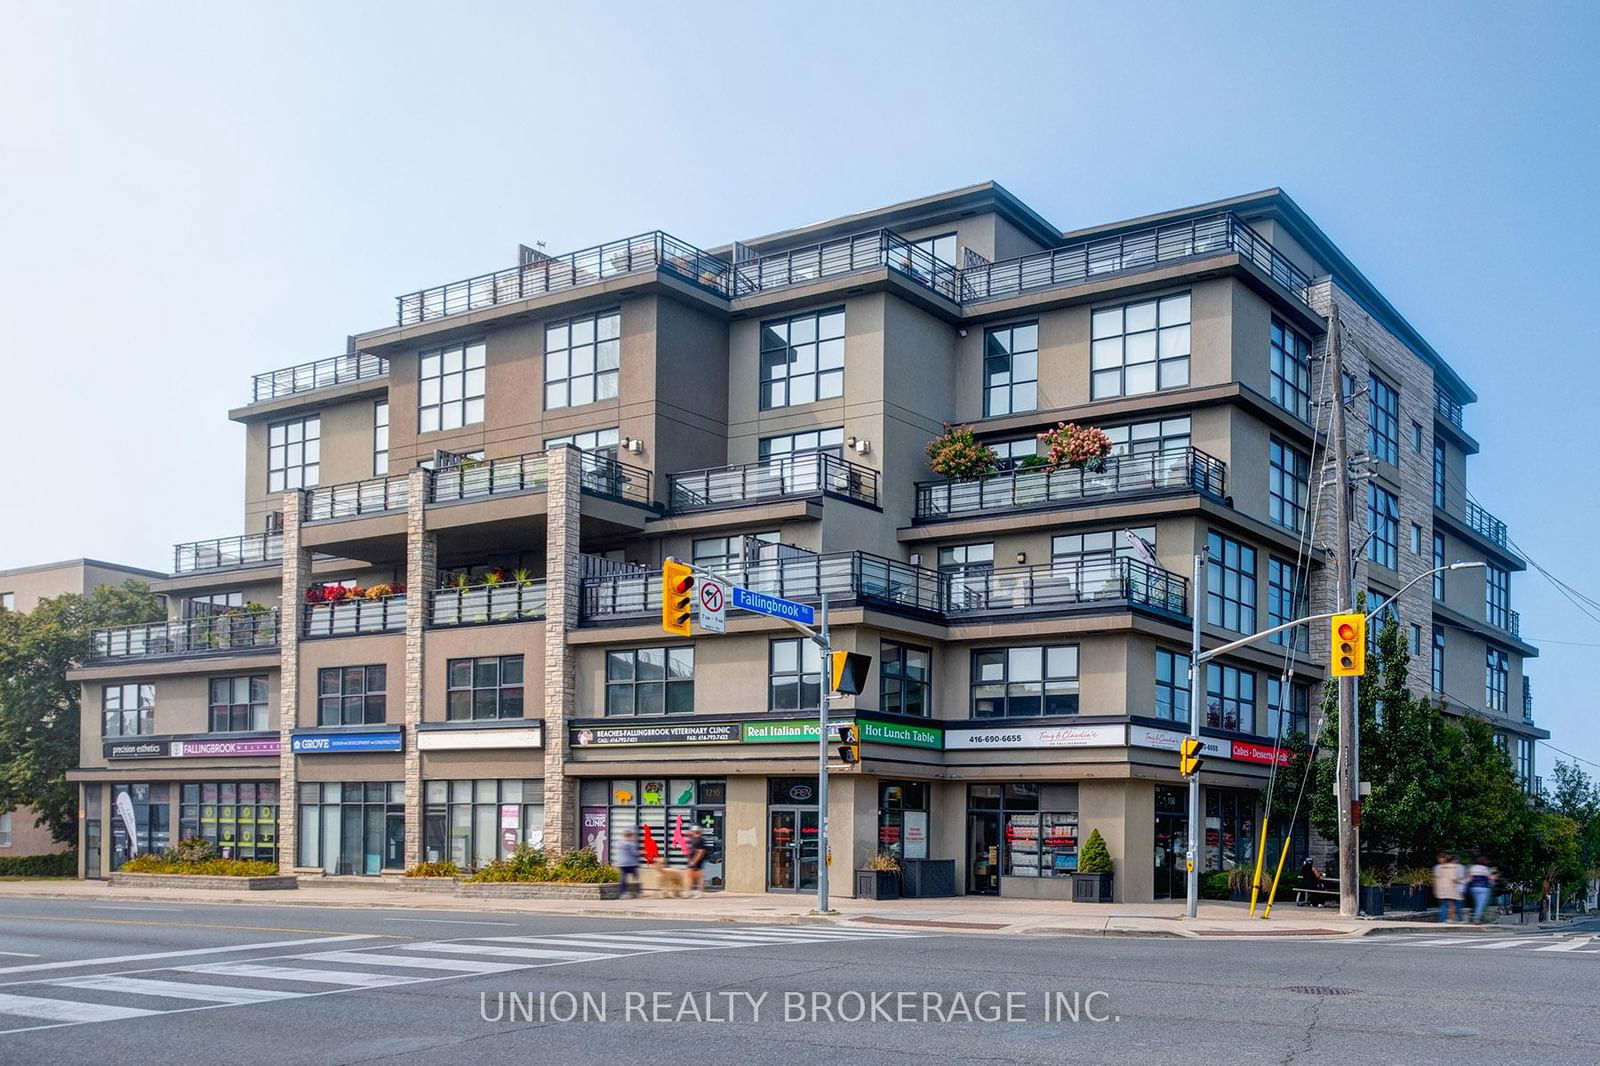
<point>330,743</point>
<point>1067,736</point>
<point>611,736</point>
<point>784,732</point>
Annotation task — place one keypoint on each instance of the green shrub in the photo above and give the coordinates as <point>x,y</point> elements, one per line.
<point>62,864</point>
<point>194,849</point>
<point>168,863</point>
<point>530,864</point>
<point>1214,885</point>
<point>1094,857</point>
<point>447,868</point>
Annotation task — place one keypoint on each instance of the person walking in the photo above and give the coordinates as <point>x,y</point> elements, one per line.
<point>1480,879</point>
<point>628,864</point>
<point>697,862</point>
<point>1447,886</point>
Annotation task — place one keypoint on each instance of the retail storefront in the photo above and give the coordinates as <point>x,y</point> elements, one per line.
<point>661,811</point>
<point>903,819</point>
<point>239,817</point>
<point>352,827</point>
<point>471,823</point>
<point>793,834</point>
<point>141,820</point>
<point>1021,830</point>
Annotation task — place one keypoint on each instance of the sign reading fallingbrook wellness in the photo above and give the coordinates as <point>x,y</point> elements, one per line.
<point>192,749</point>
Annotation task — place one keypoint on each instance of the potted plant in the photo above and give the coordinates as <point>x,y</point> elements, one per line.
<point>1371,895</point>
<point>1091,883</point>
<point>1072,445</point>
<point>957,453</point>
<point>879,878</point>
<point>1239,884</point>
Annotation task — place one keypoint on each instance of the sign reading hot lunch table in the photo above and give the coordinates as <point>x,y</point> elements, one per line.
<point>330,743</point>
<point>775,606</point>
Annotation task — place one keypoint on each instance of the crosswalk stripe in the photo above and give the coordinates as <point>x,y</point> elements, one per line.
<point>362,958</point>
<point>619,944</point>
<point>1443,941</point>
<point>765,938</point>
<point>140,986</point>
<point>1515,942</point>
<point>297,973</point>
<point>501,951</point>
<point>62,1010</point>
<point>834,931</point>
<point>1567,945</point>
<point>649,939</point>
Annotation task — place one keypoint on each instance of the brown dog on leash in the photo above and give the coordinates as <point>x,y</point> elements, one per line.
<point>672,882</point>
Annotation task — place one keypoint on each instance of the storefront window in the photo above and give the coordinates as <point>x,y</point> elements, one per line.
<point>352,828</point>
<point>903,819</point>
<point>470,823</point>
<point>1172,841</point>
<point>140,821</point>
<point>1230,839</point>
<point>1026,829</point>
<point>240,818</point>
<point>661,811</point>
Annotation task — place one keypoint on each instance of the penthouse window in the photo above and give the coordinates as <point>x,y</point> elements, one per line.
<point>294,454</point>
<point>1025,682</point>
<point>450,387</point>
<point>1290,384</point>
<point>1497,596</point>
<point>1011,369</point>
<point>1383,420</point>
<point>802,358</point>
<point>1140,347</point>
<point>581,360</point>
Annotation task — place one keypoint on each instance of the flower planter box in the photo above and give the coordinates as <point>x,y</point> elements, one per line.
<point>1091,888</point>
<point>534,890</point>
<point>424,884</point>
<point>238,884</point>
<point>1371,897</point>
<point>877,884</point>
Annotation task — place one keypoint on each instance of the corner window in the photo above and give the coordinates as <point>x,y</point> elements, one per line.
<point>238,704</point>
<point>581,360</point>
<point>352,695</point>
<point>650,681</point>
<point>1383,420</point>
<point>1383,522</point>
<point>1497,679</point>
<point>294,454</point>
<point>1287,481</point>
<point>1437,660</point>
<point>1172,685</point>
<point>1285,602</point>
<point>1230,584</point>
<point>794,667</point>
<point>1011,369</point>
<point>1290,384</point>
<point>380,438</point>
<point>1140,347</point>
<point>1438,474</point>
<point>904,674</point>
<point>1025,682</point>
<point>1230,698</point>
<point>802,359</point>
<point>1438,561</point>
<point>1497,596</point>
<point>127,710</point>
<point>1286,717</point>
<point>483,688</point>
<point>450,387</point>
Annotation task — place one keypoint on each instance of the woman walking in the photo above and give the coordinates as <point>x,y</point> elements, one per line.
<point>1447,886</point>
<point>1480,879</point>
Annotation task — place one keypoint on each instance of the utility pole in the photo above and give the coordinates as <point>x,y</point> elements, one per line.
<point>825,677</point>
<point>1343,569</point>
<point>1191,856</point>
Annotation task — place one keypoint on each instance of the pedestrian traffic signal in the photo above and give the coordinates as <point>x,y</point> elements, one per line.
<point>1349,646</point>
<point>849,745</point>
<point>850,672</point>
<point>677,597</point>
<point>1189,756</point>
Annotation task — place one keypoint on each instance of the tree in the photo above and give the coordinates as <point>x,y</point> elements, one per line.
<point>39,706</point>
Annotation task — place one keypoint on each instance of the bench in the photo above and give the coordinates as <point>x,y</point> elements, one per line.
<point>1306,897</point>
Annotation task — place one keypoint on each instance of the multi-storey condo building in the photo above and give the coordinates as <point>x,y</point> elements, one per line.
<point>503,469</point>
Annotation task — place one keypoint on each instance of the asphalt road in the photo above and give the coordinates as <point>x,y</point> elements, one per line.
<point>288,985</point>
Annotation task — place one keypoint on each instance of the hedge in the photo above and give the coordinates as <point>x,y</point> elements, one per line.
<point>61,864</point>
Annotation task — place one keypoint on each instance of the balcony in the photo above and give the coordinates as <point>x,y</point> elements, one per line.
<point>1515,624</point>
<point>347,618</point>
<point>475,478</point>
<point>374,496</point>
<point>861,251</point>
<point>1446,408</point>
<point>1177,470</point>
<point>482,604</point>
<point>1527,699</point>
<point>1064,584</point>
<point>219,634</point>
<point>1086,261</point>
<point>819,474</point>
<point>322,374</point>
<point>1487,525</point>
<point>540,274</point>
<point>223,553</point>
<point>601,475</point>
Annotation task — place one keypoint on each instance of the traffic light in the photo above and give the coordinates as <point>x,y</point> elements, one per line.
<point>849,745</point>
<point>677,597</point>
<point>1189,756</point>
<point>1349,646</point>
<point>850,672</point>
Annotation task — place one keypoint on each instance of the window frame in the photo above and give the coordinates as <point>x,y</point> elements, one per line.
<point>1288,484</point>
<point>894,662</point>
<point>255,712</point>
<point>1436,659</point>
<point>668,686</point>
<point>339,699</point>
<point>307,446</point>
<point>1383,419</point>
<point>1176,685</point>
<point>143,711</point>
<point>1217,688</point>
<point>380,438</point>
<point>500,689</point>
<point>1009,655</point>
<point>1289,353</point>
<point>1383,523</point>
<point>1101,365</point>
<point>1438,561</point>
<point>1000,357</point>
<point>826,382</point>
<point>1244,604</point>
<point>1440,472</point>
<point>467,407</point>
<point>1497,596</point>
<point>603,346</point>
<point>1284,604</point>
<point>1496,679</point>
<point>1298,713</point>
<point>804,679</point>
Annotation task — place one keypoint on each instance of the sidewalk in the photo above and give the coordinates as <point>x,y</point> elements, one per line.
<point>962,914</point>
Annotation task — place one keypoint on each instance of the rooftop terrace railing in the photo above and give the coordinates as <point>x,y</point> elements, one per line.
<point>815,474</point>
<point>474,478</point>
<point>1176,469</point>
<point>874,248</point>
<point>373,496</point>
<point>221,553</point>
<point>236,632</point>
<point>321,374</point>
<point>601,475</point>
<point>1447,408</point>
<point>344,618</point>
<point>1481,521</point>
<point>1065,583</point>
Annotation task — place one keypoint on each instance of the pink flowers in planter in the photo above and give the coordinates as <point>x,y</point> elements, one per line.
<point>334,593</point>
<point>957,452</point>
<point>1069,444</point>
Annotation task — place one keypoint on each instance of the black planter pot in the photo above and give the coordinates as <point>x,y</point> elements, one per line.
<point>1091,888</point>
<point>877,884</point>
<point>1371,897</point>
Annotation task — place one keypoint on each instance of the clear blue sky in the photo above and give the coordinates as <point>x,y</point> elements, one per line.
<point>191,193</point>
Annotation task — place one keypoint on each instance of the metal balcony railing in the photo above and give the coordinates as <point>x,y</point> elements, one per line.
<point>1447,408</point>
<point>490,477</point>
<point>1084,261</point>
<point>653,251</point>
<point>816,474</point>
<point>306,377</point>
<point>1065,583</point>
<point>1527,699</point>
<point>373,496</point>
<point>344,618</point>
<point>601,475</point>
<point>1481,521</point>
<point>204,635</point>
<point>1514,624</point>
<point>1174,470</point>
<point>481,604</point>
<point>247,549</point>
<point>860,251</point>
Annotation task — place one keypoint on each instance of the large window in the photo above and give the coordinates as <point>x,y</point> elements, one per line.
<point>1230,698</point>
<point>793,666</point>
<point>942,247</point>
<point>5,826</point>
<point>1011,369</point>
<point>128,710</point>
<point>1287,482</point>
<point>151,823</point>
<point>1037,829</point>
<point>1437,662</point>
<point>788,445</point>
<point>240,817</point>
<point>1496,680</point>
<point>1141,438</point>
<point>1285,602</point>
<point>665,808</point>
<point>1438,561</point>
<point>354,827</point>
<point>1497,596</point>
<point>238,704</point>
<point>903,819</point>
<point>1291,717</point>
<point>802,358</point>
<point>650,681</point>
<point>1230,584</point>
<point>904,679</point>
<point>720,553</point>
<point>1383,521</point>
<point>1025,682</point>
<point>581,360</point>
<point>380,439</point>
<point>969,567</point>
<point>1290,384</point>
<point>590,440</point>
<point>209,604</point>
<point>469,822</point>
<point>1383,420</point>
<point>294,454</point>
<point>352,695</point>
<point>1438,474</point>
<point>450,387</point>
<point>1140,347</point>
<point>1172,685</point>
<point>484,688</point>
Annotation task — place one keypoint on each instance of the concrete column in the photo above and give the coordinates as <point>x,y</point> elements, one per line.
<point>1125,813</point>
<point>421,570</point>
<point>561,614</point>
<point>296,578</point>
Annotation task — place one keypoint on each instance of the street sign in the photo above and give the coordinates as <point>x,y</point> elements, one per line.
<point>775,606</point>
<point>713,606</point>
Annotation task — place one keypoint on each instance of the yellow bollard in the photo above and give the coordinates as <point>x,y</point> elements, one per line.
<point>1261,854</point>
<point>1282,858</point>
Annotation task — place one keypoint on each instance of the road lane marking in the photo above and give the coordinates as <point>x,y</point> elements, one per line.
<point>182,925</point>
<point>642,940</point>
<point>1569,945</point>
<point>143,986</point>
<point>68,1011</point>
<point>417,962</point>
<point>125,907</point>
<point>19,954</point>
<point>1513,943</point>
<point>295,973</point>
<point>500,951</point>
<point>451,921</point>
<point>110,960</point>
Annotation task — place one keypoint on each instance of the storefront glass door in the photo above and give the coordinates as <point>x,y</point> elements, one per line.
<point>983,853</point>
<point>792,858</point>
<point>1171,840</point>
